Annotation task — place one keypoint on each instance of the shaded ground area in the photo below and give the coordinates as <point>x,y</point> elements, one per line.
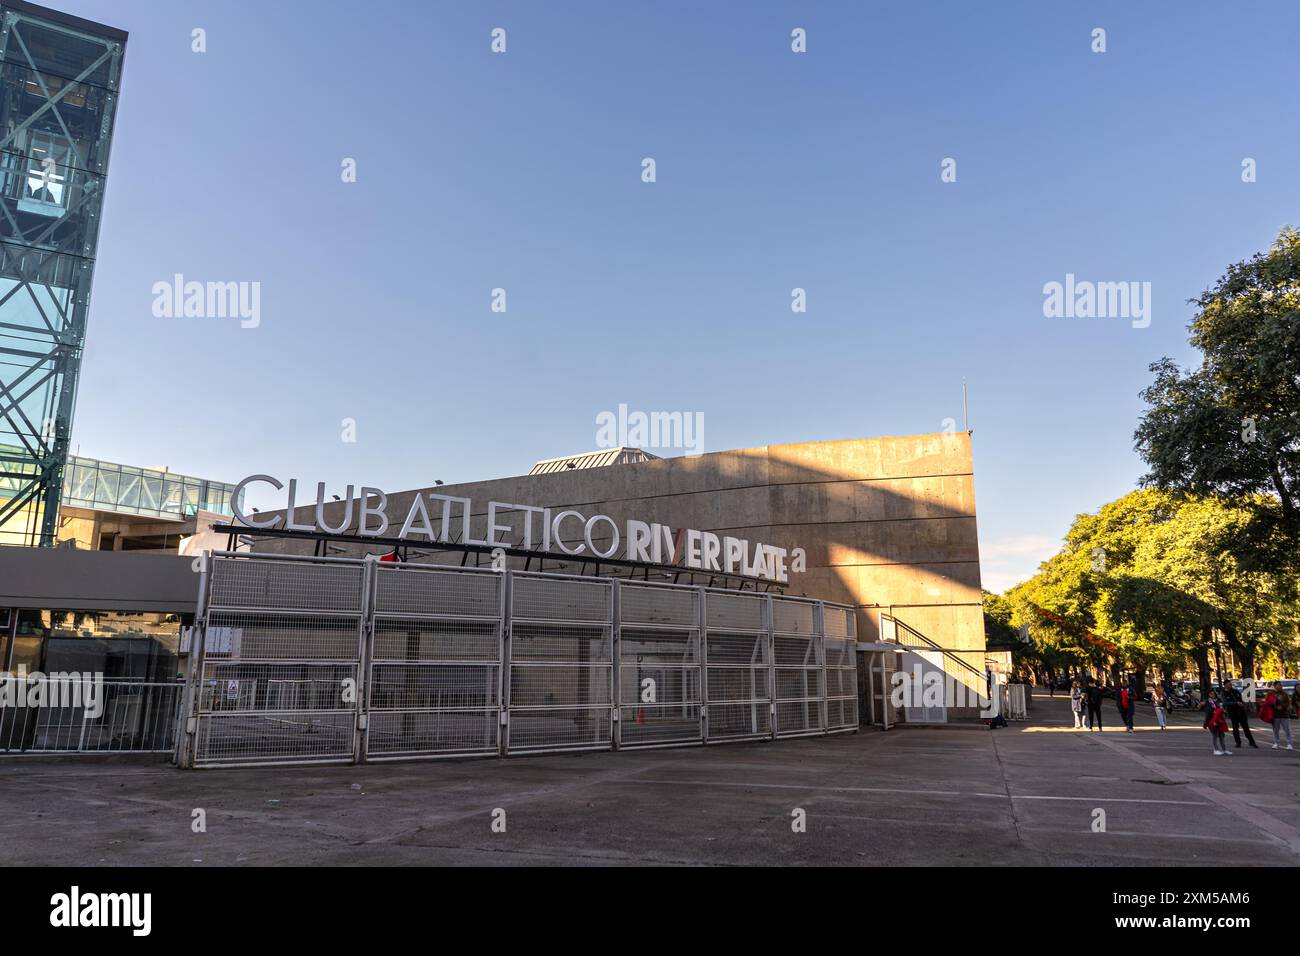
<point>913,796</point>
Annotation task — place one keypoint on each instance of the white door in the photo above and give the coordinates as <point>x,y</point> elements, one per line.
<point>925,663</point>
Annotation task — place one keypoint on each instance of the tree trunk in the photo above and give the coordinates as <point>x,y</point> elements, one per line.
<point>1243,649</point>
<point>1288,505</point>
<point>1202,657</point>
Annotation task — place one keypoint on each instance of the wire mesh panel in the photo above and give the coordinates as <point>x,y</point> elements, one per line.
<point>280,675</point>
<point>839,622</point>
<point>659,665</point>
<point>274,737</point>
<point>561,687</point>
<point>737,654</point>
<point>840,651</point>
<point>435,677</point>
<point>429,592</point>
<point>324,659</point>
<point>285,585</point>
<point>797,656</point>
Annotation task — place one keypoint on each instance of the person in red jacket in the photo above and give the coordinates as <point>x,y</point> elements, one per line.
<point>1278,712</point>
<point>1216,722</point>
<point>1126,701</point>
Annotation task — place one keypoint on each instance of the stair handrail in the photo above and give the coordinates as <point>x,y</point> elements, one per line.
<point>903,625</point>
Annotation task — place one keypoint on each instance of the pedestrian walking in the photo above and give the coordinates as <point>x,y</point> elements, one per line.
<point>1277,710</point>
<point>1126,701</point>
<point>1216,722</point>
<point>1236,708</point>
<point>1093,696</point>
<point>1161,705</point>
<point>1077,704</point>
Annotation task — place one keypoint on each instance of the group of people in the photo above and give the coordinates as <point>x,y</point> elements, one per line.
<point>1220,710</point>
<point>1277,709</point>
<point>1086,699</point>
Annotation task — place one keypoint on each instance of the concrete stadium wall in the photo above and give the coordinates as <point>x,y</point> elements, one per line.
<point>888,523</point>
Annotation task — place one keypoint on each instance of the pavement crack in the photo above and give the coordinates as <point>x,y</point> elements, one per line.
<point>1011,805</point>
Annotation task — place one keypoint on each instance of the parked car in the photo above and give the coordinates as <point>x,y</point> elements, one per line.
<point>1288,684</point>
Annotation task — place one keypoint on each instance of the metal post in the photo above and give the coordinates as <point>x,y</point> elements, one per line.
<point>186,739</point>
<point>503,654</point>
<point>702,616</point>
<point>771,665</point>
<point>365,657</point>
<point>616,614</point>
<point>11,636</point>
<point>819,635</point>
<point>884,696</point>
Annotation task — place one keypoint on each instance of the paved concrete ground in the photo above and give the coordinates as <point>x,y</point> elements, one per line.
<point>946,795</point>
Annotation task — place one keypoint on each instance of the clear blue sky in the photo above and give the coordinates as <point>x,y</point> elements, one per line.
<point>775,170</point>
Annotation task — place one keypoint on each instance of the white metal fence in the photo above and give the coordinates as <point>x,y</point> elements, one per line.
<point>41,716</point>
<point>300,660</point>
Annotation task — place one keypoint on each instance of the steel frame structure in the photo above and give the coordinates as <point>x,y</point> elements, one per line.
<point>55,137</point>
<point>607,567</point>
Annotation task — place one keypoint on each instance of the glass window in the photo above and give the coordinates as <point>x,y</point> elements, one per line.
<point>150,493</point>
<point>83,483</point>
<point>50,166</point>
<point>119,645</point>
<point>59,54</point>
<point>171,496</point>
<point>106,485</point>
<point>128,494</point>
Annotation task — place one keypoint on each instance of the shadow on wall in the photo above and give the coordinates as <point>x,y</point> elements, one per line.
<point>888,524</point>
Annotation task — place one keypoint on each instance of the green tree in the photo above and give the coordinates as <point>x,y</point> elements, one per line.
<point>1147,579</point>
<point>1196,554</point>
<point>1232,426</point>
<point>1045,657</point>
<point>998,628</point>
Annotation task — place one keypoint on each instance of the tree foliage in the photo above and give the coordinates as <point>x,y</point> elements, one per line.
<point>1144,581</point>
<point>1211,541</point>
<point>1232,426</point>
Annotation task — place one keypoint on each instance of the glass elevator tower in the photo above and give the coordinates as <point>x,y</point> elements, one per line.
<point>59,81</point>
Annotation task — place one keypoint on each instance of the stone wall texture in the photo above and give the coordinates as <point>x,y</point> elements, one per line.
<point>888,524</point>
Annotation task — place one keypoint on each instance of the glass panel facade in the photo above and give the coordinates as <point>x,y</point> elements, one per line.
<point>105,486</point>
<point>58,100</point>
<point>119,645</point>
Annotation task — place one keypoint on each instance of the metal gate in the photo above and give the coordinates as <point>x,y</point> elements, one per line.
<point>661,686</point>
<point>309,660</point>
<point>561,653</point>
<point>841,659</point>
<point>797,656</point>
<point>275,669</point>
<point>738,655</point>
<point>435,664</point>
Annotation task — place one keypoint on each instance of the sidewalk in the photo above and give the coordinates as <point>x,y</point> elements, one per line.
<point>1036,793</point>
<point>1248,799</point>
